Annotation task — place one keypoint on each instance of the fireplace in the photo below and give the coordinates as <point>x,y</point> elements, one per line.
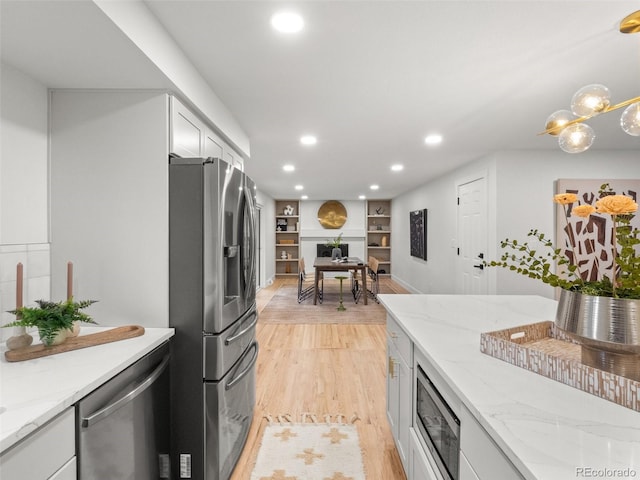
<point>323,250</point>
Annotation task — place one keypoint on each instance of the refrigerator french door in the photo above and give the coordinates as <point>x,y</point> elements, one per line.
<point>212,307</point>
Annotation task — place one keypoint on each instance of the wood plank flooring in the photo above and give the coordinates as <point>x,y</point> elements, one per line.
<point>324,369</point>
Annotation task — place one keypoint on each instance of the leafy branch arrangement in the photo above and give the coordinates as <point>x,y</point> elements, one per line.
<point>336,242</point>
<point>524,257</point>
<point>50,317</point>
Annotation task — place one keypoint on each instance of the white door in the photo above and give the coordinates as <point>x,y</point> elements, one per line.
<point>472,237</point>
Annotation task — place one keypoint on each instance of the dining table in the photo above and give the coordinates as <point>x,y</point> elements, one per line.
<point>348,264</point>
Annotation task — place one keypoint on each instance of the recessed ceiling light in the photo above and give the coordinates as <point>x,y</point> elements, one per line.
<point>288,168</point>
<point>374,187</point>
<point>304,197</point>
<point>308,140</point>
<point>287,22</point>
<point>397,167</point>
<point>299,187</point>
<point>433,139</point>
<point>362,197</point>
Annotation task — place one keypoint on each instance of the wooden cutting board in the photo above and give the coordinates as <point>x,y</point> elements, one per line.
<point>74,343</point>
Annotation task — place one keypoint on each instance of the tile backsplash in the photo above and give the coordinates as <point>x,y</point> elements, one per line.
<point>35,259</point>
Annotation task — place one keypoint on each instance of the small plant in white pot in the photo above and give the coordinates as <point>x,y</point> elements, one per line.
<point>54,320</point>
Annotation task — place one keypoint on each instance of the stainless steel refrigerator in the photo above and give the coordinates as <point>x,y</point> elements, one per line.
<point>212,307</point>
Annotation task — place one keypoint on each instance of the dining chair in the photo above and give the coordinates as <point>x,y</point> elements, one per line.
<point>373,264</point>
<point>306,287</point>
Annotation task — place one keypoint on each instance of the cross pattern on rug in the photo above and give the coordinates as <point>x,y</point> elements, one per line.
<point>309,451</point>
<point>309,456</point>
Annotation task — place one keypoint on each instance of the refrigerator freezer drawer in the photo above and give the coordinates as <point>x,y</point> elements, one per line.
<point>229,412</point>
<point>222,351</point>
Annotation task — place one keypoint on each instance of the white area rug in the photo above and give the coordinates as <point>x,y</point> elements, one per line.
<point>309,451</point>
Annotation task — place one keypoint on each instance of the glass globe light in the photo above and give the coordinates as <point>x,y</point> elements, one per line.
<point>576,138</point>
<point>630,119</point>
<point>590,100</point>
<point>557,120</point>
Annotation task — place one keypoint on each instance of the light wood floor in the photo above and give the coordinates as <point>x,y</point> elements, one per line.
<point>324,369</point>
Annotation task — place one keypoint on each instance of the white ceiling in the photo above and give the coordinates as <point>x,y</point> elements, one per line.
<point>370,78</point>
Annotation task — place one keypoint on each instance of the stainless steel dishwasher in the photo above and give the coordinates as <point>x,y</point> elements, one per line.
<point>122,427</point>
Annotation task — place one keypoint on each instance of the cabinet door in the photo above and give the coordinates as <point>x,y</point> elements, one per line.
<point>43,452</point>
<point>187,131</point>
<point>233,158</point>
<point>393,387</point>
<point>405,405</point>
<point>67,472</point>
<point>466,472</point>
<point>419,466</point>
<point>213,145</point>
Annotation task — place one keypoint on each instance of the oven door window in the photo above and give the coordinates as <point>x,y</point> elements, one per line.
<point>439,425</point>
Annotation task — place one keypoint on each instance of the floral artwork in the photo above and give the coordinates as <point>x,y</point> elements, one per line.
<point>597,248</point>
<point>588,240</point>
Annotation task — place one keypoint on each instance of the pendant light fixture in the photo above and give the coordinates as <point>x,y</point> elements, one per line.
<point>575,136</point>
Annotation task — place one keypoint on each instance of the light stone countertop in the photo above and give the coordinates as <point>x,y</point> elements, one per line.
<point>32,392</point>
<point>547,429</point>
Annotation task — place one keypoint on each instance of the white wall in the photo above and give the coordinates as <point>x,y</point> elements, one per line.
<point>267,237</point>
<point>520,189</point>
<point>23,191</point>
<point>312,232</point>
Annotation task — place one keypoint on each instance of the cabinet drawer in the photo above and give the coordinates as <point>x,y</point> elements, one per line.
<point>400,339</point>
<point>43,452</point>
<point>67,472</point>
<point>483,455</point>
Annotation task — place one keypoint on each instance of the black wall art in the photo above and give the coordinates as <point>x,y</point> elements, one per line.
<point>418,233</point>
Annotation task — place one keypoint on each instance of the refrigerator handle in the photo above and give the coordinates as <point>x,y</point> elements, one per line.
<point>127,397</point>
<point>235,379</point>
<point>252,219</point>
<point>245,330</point>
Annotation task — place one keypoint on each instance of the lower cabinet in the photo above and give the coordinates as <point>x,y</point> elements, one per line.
<point>466,472</point>
<point>67,472</point>
<point>419,465</point>
<point>46,454</point>
<point>399,389</point>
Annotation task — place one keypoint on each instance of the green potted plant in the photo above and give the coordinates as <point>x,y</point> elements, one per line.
<point>600,308</point>
<point>336,244</point>
<point>52,319</point>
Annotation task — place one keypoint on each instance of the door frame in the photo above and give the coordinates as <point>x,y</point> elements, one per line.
<point>489,199</point>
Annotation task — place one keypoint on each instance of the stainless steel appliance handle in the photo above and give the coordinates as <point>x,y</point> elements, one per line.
<point>443,408</point>
<point>234,381</point>
<point>129,396</point>
<point>252,219</point>
<point>244,331</point>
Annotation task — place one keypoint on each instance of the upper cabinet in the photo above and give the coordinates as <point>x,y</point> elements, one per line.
<point>192,137</point>
<point>187,131</point>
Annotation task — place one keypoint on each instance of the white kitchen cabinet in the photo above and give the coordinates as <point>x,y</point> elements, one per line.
<point>187,131</point>
<point>399,387</point>
<point>213,145</point>
<point>45,454</point>
<point>24,166</point>
<point>485,459</point>
<point>189,136</point>
<point>419,465</point>
<point>466,471</point>
<point>233,158</point>
<point>67,472</point>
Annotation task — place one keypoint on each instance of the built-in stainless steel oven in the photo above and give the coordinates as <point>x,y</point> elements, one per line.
<point>438,426</point>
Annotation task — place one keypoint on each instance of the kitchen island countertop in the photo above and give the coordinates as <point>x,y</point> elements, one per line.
<point>33,392</point>
<point>548,430</point>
